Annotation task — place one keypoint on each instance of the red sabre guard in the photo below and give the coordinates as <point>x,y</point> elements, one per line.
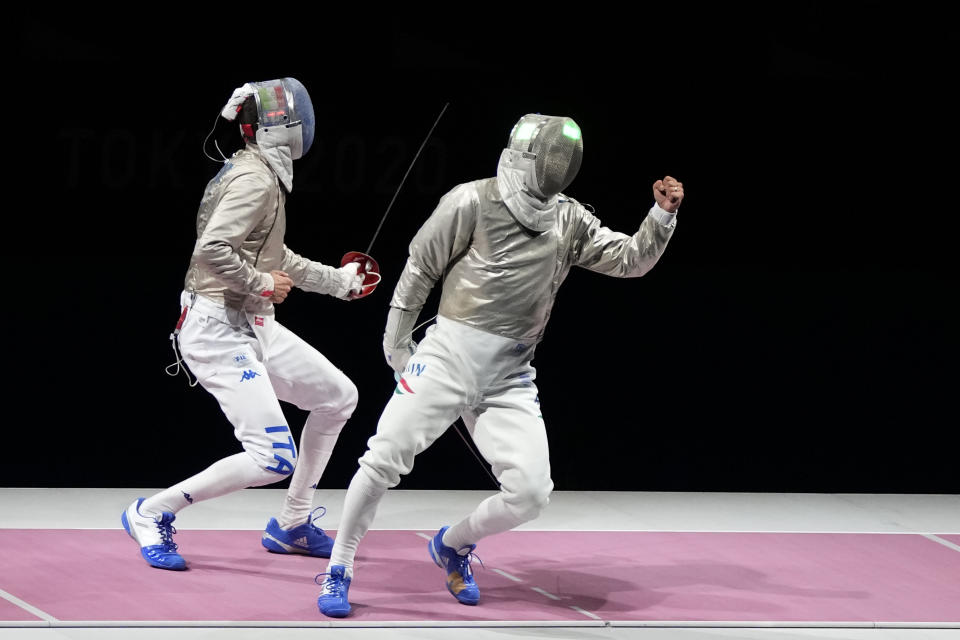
<point>367,267</point>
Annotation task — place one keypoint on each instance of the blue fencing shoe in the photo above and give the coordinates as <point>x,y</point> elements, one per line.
<point>155,537</point>
<point>307,538</point>
<point>459,574</point>
<point>333,599</point>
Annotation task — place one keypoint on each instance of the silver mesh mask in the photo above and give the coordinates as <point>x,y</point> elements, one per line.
<point>558,146</point>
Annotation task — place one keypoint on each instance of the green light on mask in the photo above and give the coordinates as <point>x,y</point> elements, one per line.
<point>525,131</point>
<point>571,130</point>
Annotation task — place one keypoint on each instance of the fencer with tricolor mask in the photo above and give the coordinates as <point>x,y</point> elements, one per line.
<point>230,339</point>
<point>502,246</point>
<point>279,118</point>
<point>244,207</point>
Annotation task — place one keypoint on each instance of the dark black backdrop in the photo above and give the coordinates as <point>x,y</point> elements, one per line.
<point>798,335</point>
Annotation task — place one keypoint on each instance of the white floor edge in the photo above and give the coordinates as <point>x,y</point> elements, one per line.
<point>488,624</point>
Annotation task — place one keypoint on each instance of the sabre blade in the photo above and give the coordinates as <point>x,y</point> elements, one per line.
<point>456,427</point>
<point>392,200</point>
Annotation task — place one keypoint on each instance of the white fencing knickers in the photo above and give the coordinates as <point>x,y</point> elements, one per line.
<point>249,363</point>
<point>489,381</point>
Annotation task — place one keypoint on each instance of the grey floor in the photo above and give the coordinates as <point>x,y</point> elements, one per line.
<point>99,509</point>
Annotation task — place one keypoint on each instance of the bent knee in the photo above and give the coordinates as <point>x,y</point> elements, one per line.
<point>384,466</point>
<point>375,479</point>
<point>349,396</point>
<point>529,499</point>
<point>336,401</point>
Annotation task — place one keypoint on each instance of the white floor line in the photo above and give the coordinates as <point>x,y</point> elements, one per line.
<point>303,624</point>
<point>469,624</point>
<point>586,613</point>
<point>537,589</point>
<point>780,624</point>
<point>507,575</point>
<point>545,593</point>
<point>940,540</point>
<point>26,606</point>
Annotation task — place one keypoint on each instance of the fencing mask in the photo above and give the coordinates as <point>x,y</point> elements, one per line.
<point>278,115</point>
<point>542,158</point>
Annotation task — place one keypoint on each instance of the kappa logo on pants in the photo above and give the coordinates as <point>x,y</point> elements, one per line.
<point>249,374</point>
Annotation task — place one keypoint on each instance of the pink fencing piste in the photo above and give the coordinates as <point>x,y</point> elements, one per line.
<point>549,576</point>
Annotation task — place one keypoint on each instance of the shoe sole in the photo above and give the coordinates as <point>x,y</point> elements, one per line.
<point>273,545</point>
<point>336,613</point>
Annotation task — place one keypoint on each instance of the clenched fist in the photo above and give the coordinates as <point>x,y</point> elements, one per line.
<point>281,286</point>
<point>668,193</point>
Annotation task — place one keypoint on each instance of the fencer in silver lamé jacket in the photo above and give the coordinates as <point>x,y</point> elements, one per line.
<point>502,278</point>
<point>240,229</point>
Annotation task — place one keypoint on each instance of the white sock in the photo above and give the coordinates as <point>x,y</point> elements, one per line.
<point>359,508</point>
<point>319,436</point>
<point>222,477</point>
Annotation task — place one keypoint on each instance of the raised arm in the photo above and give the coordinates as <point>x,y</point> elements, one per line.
<point>600,249</point>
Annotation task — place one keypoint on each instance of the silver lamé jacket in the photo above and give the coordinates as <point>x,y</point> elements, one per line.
<point>240,229</point>
<point>502,278</point>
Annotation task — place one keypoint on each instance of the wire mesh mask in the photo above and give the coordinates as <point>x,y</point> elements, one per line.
<point>558,146</point>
